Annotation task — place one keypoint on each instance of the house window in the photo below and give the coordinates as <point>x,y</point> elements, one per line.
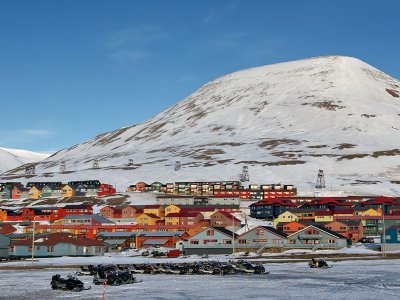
<point>242,241</point>
<point>342,228</point>
<point>50,249</point>
<point>194,242</point>
<point>260,232</point>
<point>292,241</point>
<point>210,232</point>
<point>331,241</point>
<point>227,242</point>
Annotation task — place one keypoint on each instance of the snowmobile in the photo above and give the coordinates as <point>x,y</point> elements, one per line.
<point>87,271</point>
<point>71,283</point>
<point>111,276</point>
<point>319,263</point>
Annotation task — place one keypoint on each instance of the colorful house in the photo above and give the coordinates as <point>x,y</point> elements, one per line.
<point>351,229</point>
<point>147,219</point>
<point>226,220</point>
<point>57,244</point>
<point>285,217</point>
<point>4,246</point>
<point>94,220</point>
<point>212,240</point>
<point>130,212</point>
<point>260,238</point>
<point>105,190</point>
<point>323,216</point>
<point>47,191</point>
<point>271,208</point>
<point>111,212</point>
<point>158,239</point>
<point>316,237</point>
<point>155,209</point>
<point>290,227</point>
<point>68,191</point>
<point>172,209</point>
<point>391,239</point>
<point>34,193</point>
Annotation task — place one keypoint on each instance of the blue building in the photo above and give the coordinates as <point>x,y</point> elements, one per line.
<point>57,244</point>
<point>392,238</point>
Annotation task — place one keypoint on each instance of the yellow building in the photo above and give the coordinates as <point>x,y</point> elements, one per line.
<point>372,212</point>
<point>323,216</point>
<point>157,210</point>
<point>172,219</point>
<point>172,209</point>
<point>3,215</point>
<point>285,217</point>
<point>147,219</point>
<point>68,191</point>
<point>34,193</point>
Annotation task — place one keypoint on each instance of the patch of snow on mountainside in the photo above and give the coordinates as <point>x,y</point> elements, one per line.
<point>12,158</point>
<point>285,121</point>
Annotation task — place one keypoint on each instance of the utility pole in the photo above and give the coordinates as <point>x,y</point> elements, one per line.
<point>233,236</point>
<point>383,244</point>
<point>33,239</point>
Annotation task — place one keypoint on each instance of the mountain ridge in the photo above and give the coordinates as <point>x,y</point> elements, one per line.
<point>333,113</point>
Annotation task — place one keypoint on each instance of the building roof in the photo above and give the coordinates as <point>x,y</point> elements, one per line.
<point>330,232</point>
<point>228,215</point>
<point>57,238</point>
<point>159,233</point>
<point>225,231</point>
<point>77,206</point>
<point>323,213</point>
<point>126,234</point>
<point>343,211</point>
<point>276,231</point>
<point>114,242</point>
<point>7,228</point>
<point>98,218</point>
<point>158,242</point>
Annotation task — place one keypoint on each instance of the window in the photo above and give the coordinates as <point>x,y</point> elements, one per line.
<point>227,242</point>
<point>50,249</point>
<point>292,241</point>
<point>331,241</point>
<point>210,232</point>
<point>194,242</point>
<point>260,232</point>
<point>242,241</point>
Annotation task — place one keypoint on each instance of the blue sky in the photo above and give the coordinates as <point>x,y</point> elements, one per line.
<point>70,70</point>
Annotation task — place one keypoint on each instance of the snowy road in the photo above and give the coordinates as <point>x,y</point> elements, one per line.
<point>377,279</point>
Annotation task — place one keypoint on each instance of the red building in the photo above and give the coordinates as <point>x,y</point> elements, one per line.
<point>77,209</point>
<point>111,212</point>
<point>105,190</point>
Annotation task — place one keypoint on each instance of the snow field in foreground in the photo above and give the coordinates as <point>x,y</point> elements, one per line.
<point>376,279</point>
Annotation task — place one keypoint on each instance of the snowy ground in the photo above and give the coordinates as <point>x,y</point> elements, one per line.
<point>376,279</point>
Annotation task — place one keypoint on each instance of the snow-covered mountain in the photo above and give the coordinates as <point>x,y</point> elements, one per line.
<point>12,158</point>
<point>285,121</point>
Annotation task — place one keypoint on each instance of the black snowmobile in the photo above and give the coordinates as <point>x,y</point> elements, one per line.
<point>112,276</point>
<point>70,283</point>
<point>319,263</point>
<point>87,271</point>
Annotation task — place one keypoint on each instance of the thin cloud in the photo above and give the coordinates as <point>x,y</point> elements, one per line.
<point>217,15</point>
<point>186,78</point>
<point>36,132</point>
<point>129,55</point>
<point>134,36</point>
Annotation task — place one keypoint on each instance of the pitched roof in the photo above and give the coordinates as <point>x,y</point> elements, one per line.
<point>77,206</point>
<point>98,218</point>
<point>330,231</point>
<point>155,242</point>
<point>57,238</point>
<point>117,234</point>
<point>159,233</point>
<point>276,231</point>
<point>224,231</point>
